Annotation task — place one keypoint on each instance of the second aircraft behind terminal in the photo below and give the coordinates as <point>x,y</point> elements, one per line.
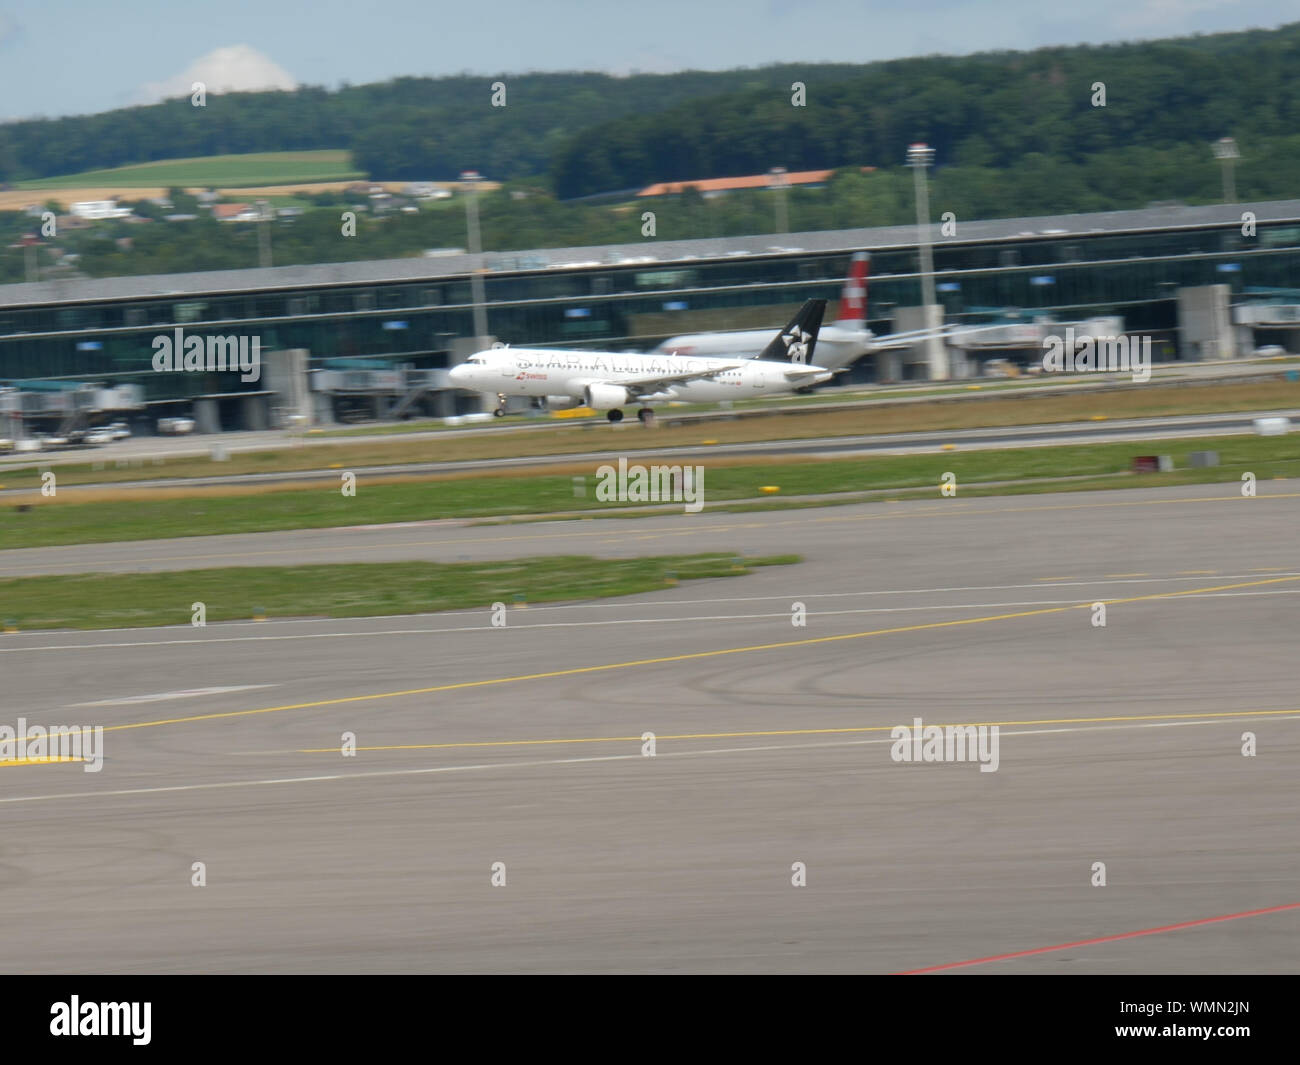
<point>609,381</point>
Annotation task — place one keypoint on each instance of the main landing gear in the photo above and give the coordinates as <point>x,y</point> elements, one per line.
<point>500,412</point>
<point>645,416</point>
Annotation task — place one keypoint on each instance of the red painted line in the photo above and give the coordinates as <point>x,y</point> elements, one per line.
<point>1102,939</point>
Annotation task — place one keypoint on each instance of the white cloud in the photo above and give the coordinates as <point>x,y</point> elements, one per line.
<point>238,68</point>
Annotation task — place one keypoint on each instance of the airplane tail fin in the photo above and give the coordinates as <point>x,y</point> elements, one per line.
<point>853,297</point>
<point>795,343</point>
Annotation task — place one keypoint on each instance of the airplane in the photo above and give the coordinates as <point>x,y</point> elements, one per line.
<point>609,381</point>
<point>838,346</point>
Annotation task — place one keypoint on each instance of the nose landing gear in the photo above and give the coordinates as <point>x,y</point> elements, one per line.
<point>500,412</point>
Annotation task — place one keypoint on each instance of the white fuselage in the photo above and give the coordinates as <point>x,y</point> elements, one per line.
<point>837,345</point>
<point>543,372</point>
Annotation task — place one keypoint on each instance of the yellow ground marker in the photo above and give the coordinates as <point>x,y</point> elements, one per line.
<point>44,760</point>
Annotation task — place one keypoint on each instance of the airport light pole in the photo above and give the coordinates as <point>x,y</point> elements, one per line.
<point>919,157</point>
<point>30,261</point>
<point>263,233</point>
<point>470,181</point>
<point>1225,150</point>
<point>778,185</point>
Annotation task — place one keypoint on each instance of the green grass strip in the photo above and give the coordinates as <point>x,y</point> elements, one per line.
<point>60,522</point>
<point>366,589</point>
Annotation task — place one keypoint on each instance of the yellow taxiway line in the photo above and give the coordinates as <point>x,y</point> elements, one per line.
<point>815,731</point>
<point>688,656</point>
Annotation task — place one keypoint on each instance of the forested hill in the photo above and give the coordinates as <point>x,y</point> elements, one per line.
<point>592,133</point>
<point>409,128</point>
<point>988,110</point>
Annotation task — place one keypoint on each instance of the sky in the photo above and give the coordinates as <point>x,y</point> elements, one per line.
<point>62,57</point>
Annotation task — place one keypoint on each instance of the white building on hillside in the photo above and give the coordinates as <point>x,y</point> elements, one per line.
<point>95,210</point>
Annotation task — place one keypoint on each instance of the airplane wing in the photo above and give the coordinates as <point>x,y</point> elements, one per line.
<point>794,373</point>
<point>649,385</point>
<point>915,336</point>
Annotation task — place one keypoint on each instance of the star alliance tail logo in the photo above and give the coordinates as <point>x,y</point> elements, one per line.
<point>796,344</point>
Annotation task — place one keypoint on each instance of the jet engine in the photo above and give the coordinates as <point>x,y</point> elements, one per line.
<point>606,397</point>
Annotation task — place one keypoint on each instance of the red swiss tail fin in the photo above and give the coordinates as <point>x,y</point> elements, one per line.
<point>853,297</point>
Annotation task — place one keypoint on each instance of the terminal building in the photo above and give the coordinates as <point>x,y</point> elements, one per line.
<point>374,339</point>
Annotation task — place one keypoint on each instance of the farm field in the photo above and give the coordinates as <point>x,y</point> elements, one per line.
<point>214,171</point>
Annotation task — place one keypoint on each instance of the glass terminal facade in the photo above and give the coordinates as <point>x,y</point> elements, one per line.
<point>635,306</point>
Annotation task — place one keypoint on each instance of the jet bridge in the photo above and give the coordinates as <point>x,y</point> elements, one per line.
<point>359,389</point>
<point>1269,311</point>
<point>61,407</point>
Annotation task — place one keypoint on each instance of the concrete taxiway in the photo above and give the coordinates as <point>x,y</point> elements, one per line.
<point>524,744</point>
